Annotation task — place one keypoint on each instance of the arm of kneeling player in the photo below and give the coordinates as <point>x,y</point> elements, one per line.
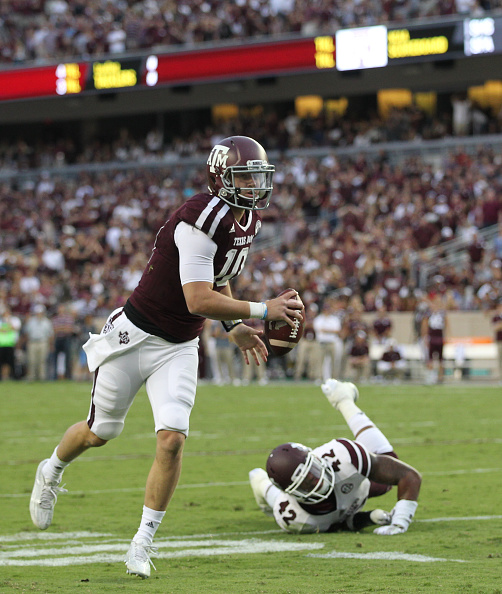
<point>390,471</point>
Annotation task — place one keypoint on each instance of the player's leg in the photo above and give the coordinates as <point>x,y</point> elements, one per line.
<point>114,388</point>
<point>171,390</point>
<point>343,396</point>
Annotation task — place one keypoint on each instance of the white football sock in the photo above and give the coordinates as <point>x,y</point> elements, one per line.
<point>150,521</point>
<point>365,431</point>
<point>348,408</point>
<point>53,470</point>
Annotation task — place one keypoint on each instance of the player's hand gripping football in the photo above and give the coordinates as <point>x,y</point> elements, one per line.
<point>287,307</point>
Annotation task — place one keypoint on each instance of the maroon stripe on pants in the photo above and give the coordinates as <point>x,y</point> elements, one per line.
<point>92,414</point>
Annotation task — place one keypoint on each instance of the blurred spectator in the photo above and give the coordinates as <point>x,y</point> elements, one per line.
<point>327,326</point>
<point>461,115</point>
<point>51,257</point>
<point>392,364</point>
<point>497,242</point>
<point>497,327</point>
<point>10,327</point>
<point>224,361</point>
<point>65,330</point>
<point>382,326</point>
<point>359,364</point>
<point>491,207</point>
<point>253,371</point>
<point>39,336</point>
<point>85,326</point>
<point>353,323</point>
<point>476,249</point>
<point>435,331</point>
<point>308,360</point>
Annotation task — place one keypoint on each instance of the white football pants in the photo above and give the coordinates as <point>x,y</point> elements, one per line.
<point>170,374</point>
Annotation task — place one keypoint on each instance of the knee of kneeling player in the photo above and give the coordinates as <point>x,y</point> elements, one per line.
<point>174,417</point>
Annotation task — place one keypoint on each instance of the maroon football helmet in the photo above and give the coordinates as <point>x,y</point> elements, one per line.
<point>295,469</point>
<point>239,173</point>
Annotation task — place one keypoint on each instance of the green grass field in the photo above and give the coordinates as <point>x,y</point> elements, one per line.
<point>214,538</point>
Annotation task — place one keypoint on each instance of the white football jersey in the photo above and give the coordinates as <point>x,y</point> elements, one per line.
<point>351,462</point>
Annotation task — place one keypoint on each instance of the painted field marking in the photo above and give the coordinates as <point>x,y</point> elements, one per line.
<point>384,556</point>
<point>71,552</point>
<point>81,548</point>
<point>44,549</point>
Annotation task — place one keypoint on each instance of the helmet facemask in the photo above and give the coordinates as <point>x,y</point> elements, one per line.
<point>247,186</point>
<point>313,481</point>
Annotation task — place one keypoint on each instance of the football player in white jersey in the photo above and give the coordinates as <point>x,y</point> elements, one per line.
<point>325,489</point>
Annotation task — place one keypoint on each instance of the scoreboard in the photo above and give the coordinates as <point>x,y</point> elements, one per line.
<point>349,49</point>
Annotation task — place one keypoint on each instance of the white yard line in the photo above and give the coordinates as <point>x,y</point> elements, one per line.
<point>43,549</point>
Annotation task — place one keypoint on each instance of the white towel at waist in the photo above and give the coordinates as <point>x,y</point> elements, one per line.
<point>118,335</point>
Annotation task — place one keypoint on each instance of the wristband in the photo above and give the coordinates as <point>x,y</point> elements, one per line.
<point>231,324</point>
<point>258,310</point>
<point>403,512</point>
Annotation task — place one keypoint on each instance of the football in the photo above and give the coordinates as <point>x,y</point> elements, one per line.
<point>281,338</point>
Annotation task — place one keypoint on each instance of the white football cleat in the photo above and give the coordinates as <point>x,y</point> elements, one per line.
<point>43,498</point>
<point>138,558</point>
<point>336,391</point>
<point>260,482</point>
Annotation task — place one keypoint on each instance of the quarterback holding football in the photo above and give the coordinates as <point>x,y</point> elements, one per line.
<point>153,340</point>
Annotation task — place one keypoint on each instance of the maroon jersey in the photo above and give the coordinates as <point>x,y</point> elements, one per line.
<point>391,356</point>
<point>382,326</point>
<point>359,350</point>
<point>158,303</point>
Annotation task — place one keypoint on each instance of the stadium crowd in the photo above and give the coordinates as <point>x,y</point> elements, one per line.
<point>362,224</point>
<point>19,153</point>
<point>86,237</point>
<point>81,238</point>
<point>48,30</point>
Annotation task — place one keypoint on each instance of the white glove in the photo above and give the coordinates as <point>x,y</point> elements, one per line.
<point>390,530</point>
<point>402,515</point>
